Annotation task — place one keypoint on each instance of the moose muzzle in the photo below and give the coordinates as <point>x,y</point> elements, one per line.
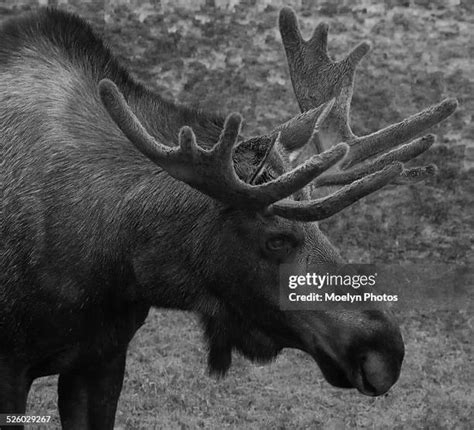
<point>356,349</point>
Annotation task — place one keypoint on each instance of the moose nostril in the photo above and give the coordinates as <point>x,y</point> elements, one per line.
<point>377,374</point>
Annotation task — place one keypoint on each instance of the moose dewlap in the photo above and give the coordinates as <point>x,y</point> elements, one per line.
<point>115,200</point>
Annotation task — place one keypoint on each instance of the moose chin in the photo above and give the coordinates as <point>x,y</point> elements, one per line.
<point>116,200</point>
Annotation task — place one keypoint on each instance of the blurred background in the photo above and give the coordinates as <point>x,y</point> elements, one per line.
<point>226,55</point>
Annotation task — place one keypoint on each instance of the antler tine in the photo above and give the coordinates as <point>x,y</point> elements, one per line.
<point>416,174</point>
<point>403,154</point>
<point>319,39</point>
<point>396,134</point>
<point>356,55</point>
<point>316,210</point>
<point>212,171</point>
<point>289,29</point>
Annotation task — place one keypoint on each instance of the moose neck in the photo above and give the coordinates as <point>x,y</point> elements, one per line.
<point>161,207</point>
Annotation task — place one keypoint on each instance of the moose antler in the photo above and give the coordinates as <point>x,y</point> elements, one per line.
<point>212,171</point>
<point>317,79</point>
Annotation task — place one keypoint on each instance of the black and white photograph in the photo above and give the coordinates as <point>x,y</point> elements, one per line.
<point>236,214</point>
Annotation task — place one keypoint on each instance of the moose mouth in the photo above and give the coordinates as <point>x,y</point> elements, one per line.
<point>371,373</point>
<point>337,377</point>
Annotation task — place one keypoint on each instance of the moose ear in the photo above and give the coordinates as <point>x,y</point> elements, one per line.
<point>253,155</point>
<point>304,128</point>
<point>300,137</point>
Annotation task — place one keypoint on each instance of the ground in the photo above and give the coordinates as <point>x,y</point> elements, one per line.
<point>229,57</point>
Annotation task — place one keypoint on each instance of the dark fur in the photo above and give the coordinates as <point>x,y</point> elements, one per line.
<point>95,233</point>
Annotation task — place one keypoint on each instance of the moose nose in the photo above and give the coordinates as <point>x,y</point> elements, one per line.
<point>377,373</point>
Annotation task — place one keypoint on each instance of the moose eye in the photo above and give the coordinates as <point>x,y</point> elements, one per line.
<point>277,244</point>
<point>280,247</point>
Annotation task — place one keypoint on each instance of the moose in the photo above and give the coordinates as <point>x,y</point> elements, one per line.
<point>115,200</point>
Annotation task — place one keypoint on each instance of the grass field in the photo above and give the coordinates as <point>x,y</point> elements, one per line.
<point>233,60</point>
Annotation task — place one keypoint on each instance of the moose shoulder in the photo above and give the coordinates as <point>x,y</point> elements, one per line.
<point>115,200</point>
